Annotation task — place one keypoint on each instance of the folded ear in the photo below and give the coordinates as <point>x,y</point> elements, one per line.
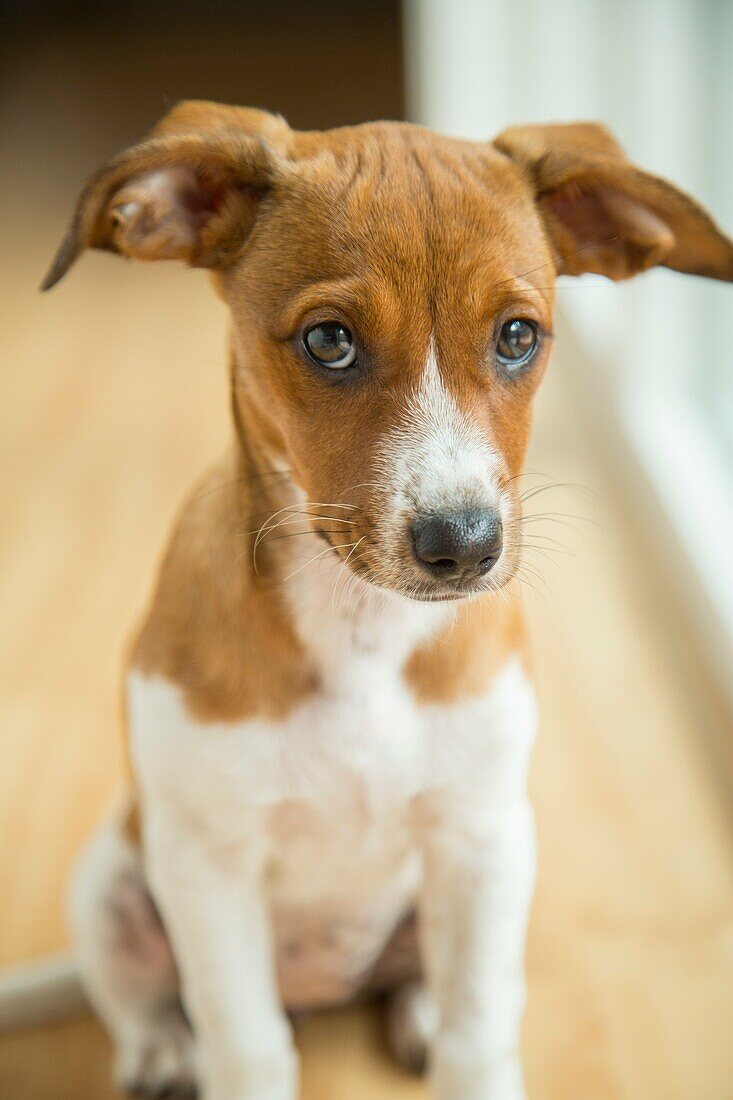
<point>190,192</point>
<point>607,216</point>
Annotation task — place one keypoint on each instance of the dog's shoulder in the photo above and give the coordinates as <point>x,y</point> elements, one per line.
<point>213,628</point>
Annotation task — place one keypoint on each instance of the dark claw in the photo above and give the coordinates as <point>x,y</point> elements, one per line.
<point>168,1090</point>
<point>416,1060</point>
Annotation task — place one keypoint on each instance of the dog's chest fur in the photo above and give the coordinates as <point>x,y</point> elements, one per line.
<point>335,796</point>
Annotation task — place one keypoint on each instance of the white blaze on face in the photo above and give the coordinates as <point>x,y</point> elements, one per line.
<point>438,460</point>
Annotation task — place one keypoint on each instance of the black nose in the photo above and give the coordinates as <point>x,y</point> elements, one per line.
<point>458,545</point>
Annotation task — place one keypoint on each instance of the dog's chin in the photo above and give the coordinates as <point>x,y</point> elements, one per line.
<point>418,590</point>
<point>444,597</point>
<point>458,595</point>
<point>407,583</point>
<point>423,589</point>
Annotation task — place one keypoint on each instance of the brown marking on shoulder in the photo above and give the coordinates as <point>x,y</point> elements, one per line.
<point>215,628</point>
<point>463,660</point>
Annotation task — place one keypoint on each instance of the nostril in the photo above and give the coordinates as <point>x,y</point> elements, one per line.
<point>487,563</point>
<point>458,545</point>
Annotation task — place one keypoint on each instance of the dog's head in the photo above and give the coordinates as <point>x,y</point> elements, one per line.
<point>391,294</point>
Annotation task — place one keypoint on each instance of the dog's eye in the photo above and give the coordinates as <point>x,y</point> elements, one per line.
<point>517,344</point>
<point>330,345</point>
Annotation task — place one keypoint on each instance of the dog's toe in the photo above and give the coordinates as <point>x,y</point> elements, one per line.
<point>159,1064</point>
<point>411,1024</point>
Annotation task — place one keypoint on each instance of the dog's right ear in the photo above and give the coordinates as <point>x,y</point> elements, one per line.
<point>605,215</point>
<point>190,192</point>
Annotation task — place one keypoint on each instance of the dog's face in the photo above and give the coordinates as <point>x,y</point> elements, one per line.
<point>392,319</point>
<point>391,293</point>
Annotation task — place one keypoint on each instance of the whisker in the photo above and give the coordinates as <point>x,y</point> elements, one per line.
<point>298,534</point>
<point>268,525</point>
<point>551,549</point>
<point>527,473</point>
<point>545,554</point>
<point>519,576</point>
<point>536,490</point>
<point>242,478</point>
<point>577,286</point>
<point>524,581</point>
<point>360,599</point>
<point>362,485</point>
<point>301,517</point>
<point>310,561</point>
<point>533,571</point>
<point>352,583</point>
<point>558,259</point>
<point>344,565</point>
<point>558,517</point>
<point>270,473</point>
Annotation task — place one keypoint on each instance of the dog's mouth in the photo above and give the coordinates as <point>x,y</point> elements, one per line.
<point>403,576</point>
<point>465,593</point>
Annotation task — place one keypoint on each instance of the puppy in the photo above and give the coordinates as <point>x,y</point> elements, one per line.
<point>330,707</point>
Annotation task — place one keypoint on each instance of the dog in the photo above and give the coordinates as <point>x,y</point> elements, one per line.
<point>330,704</point>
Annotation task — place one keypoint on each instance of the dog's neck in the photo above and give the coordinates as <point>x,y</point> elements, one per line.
<point>348,627</point>
<point>339,618</point>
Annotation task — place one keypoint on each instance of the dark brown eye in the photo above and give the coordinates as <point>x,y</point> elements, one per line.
<point>517,344</point>
<point>330,345</point>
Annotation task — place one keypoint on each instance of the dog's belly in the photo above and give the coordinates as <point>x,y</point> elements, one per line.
<point>327,956</point>
<point>342,893</point>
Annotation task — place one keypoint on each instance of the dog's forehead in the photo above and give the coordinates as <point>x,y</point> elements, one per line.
<point>404,199</point>
<point>405,210</point>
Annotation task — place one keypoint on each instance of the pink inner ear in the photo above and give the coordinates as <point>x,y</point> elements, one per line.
<point>582,211</point>
<point>160,214</point>
<point>204,198</point>
<point>612,232</point>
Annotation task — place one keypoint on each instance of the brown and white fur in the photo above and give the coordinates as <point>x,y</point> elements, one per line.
<point>329,744</point>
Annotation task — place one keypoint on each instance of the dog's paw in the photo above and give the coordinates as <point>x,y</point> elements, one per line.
<point>411,1025</point>
<point>158,1064</point>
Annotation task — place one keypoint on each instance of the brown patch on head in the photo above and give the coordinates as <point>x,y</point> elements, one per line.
<point>422,247</point>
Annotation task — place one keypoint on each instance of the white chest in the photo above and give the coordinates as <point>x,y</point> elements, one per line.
<point>335,796</point>
<point>351,776</point>
<point>354,763</point>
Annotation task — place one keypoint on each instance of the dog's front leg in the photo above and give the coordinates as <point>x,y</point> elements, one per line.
<point>479,874</point>
<point>216,914</point>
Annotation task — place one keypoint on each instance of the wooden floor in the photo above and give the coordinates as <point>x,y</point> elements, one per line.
<point>112,398</point>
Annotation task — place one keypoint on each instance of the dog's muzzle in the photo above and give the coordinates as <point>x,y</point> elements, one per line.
<point>458,546</point>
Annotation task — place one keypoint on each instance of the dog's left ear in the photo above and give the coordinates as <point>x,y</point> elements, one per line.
<point>604,215</point>
<point>190,192</point>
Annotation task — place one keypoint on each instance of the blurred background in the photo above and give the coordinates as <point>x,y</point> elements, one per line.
<point>113,398</point>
